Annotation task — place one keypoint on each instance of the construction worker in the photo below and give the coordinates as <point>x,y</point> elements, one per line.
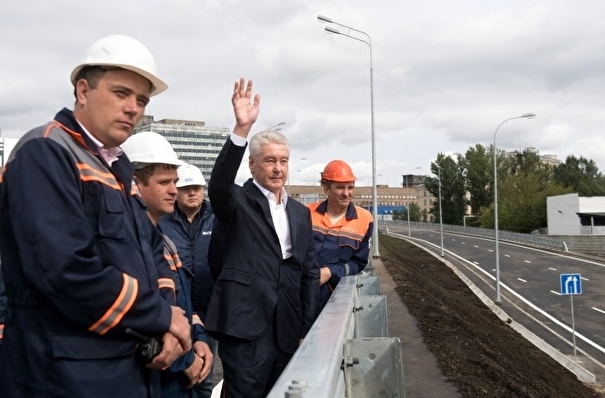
<point>80,259</point>
<point>189,226</point>
<point>156,175</point>
<point>341,230</point>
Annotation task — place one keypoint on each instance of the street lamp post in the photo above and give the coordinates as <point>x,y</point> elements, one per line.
<point>321,18</point>
<point>524,116</point>
<point>440,210</point>
<point>408,203</point>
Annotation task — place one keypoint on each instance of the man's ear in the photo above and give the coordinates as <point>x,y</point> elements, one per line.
<point>81,91</point>
<point>251,164</point>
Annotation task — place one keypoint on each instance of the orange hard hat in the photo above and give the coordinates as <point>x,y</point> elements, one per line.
<point>338,171</point>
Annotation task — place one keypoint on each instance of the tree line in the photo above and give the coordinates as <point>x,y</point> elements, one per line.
<point>524,183</point>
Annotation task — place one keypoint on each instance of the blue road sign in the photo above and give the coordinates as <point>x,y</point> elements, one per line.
<point>571,284</point>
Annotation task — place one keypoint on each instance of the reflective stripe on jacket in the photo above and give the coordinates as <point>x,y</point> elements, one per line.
<point>343,247</point>
<point>80,263</point>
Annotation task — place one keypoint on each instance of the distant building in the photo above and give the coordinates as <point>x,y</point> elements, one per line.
<point>416,192</point>
<point>192,140</point>
<point>550,160</point>
<point>572,214</point>
<point>390,199</point>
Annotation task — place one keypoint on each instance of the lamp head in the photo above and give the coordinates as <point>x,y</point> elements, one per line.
<point>321,18</point>
<point>528,115</point>
<point>329,29</point>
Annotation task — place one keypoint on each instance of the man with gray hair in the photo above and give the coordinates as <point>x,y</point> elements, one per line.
<point>266,295</point>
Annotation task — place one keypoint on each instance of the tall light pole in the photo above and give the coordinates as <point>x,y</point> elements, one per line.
<point>329,29</point>
<point>524,116</point>
<point>440,210</point>
<point>408,203</point>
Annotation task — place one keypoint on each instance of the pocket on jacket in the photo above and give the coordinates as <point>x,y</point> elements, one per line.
<point>236,275</point>
<point>89,346</point>
<point>105,211</point>
<point>88,365</point>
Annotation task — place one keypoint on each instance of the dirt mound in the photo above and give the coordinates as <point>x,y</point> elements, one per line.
<point>476,351</point>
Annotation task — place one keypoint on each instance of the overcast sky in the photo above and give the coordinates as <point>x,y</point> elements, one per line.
<point>446,73</point>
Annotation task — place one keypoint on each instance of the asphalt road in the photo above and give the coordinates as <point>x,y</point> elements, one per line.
<point>531,290</point>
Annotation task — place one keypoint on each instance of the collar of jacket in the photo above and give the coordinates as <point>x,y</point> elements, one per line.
<point>351,212</point>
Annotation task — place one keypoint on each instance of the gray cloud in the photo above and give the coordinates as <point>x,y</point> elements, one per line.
<point>445,74</point>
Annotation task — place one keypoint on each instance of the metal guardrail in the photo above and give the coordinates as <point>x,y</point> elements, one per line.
<point>514,237</point>
<point>347,352</point>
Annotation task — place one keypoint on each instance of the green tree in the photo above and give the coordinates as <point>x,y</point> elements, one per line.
<point>522,201</point>
<point>478,171</point>
<point>453,192</point>
<point>524,183</point>
<point>581,175</point>
<point>399,215</point>
<point>415,213</point>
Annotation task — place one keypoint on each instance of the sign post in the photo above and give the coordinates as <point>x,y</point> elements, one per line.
<point>571,285</point>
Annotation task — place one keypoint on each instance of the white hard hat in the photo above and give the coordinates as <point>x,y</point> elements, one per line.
<point>147,147</point>
<point>189,175</point>
<point>122,52</point>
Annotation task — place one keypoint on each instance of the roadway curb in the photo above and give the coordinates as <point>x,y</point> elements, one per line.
<point>580,372</point>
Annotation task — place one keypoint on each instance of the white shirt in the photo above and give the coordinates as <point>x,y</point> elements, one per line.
<point>280,219</point>
<point>109,154</point>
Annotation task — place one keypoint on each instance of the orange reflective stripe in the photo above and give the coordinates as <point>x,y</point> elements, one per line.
<point>119,308</point>
<point>173,259</point>
<point>351,233</point>
<point>53,125</point>
<point>1,331</point>
<point>166,283</point>
<point>354,228</point>
<point>88,173</point>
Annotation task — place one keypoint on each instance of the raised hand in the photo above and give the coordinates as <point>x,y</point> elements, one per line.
<point>244,108</point>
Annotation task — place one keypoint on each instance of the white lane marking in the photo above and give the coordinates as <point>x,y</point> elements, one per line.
<point>554,292</point>
<point>522,280</point>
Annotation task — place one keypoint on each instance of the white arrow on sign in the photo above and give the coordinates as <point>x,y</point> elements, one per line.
<point>572,279</point>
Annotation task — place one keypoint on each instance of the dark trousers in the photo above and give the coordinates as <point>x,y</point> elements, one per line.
<point>251,367</point>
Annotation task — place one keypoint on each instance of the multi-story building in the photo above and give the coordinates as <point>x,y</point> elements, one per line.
<point>417,192</point>
<point>192,140</point>
<point>389,198</point>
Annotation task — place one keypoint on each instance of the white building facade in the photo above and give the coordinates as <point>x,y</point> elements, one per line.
<point>192,140</point>
<point>574,215</point>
